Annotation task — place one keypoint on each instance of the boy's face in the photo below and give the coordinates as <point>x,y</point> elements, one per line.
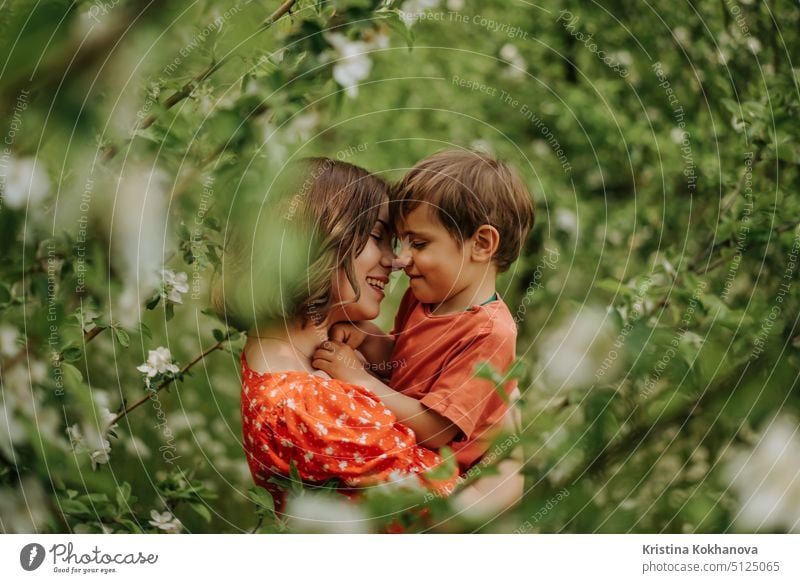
<point>437,265</point>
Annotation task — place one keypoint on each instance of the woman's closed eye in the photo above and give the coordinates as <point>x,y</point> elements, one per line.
<point>418,244</point>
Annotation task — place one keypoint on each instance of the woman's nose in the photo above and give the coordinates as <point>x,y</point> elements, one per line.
<point>387,257</point>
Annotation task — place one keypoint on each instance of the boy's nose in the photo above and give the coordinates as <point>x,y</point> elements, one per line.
<point>402,259</point>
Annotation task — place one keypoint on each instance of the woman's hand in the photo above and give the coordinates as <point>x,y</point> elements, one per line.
<point>341,362</point>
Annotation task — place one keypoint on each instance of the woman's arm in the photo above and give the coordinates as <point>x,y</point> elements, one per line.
<point>492,495</point>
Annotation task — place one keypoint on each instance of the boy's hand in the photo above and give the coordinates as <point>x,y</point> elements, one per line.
<point>341,362</point>
<point>347,333</point>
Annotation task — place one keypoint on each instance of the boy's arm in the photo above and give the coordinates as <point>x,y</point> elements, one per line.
<point>432,429</point>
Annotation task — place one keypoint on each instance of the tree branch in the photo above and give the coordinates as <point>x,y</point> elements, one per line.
<point>709,243</point>
<point>166,382</point>
<point>284,8</point>
<point>192,84</point>
<point>181,94</point>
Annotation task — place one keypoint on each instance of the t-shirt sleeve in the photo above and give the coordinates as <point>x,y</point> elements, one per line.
<point>459,395</point>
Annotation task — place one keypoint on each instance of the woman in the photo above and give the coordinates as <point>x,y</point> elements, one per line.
<point>292,414</point>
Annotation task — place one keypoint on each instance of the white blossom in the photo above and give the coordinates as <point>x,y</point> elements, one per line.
<point>87,316</point>
<point>89,439</point>
<point>572,354</point>
<point>165,521</point>
<point>540,148</point>
<point>624,58</point>
<point>173,285</point>
<point>411,10</point>
<point>567,221</point>
<point>767,479</point>
<point>754,44</point>
<point>24,508</point>
<point>102,455</point>
<point>104,413</point>
<point>681,35</point>
<point>139,234</point>
<point>159,361</point>
<point>8,340</point>
<point>321,513</point>
<point>481,145</point>
<point>302,126</point>
<point>75,436</point>
<point>12,433</point>
<point>677,135</point>
<point>352,63</point>
<point>517,65</point>
<point>25,182</point>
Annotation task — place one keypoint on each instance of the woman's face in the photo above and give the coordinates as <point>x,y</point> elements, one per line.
<point>372,267</point>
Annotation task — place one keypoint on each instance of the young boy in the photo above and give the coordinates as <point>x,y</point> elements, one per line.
<point>462,218</point>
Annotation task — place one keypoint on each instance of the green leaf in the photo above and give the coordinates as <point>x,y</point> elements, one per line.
<point>71,353</point>
<point>398,25</point>
<point>169,309</point>
<point>446,469</point>
<point>613,286</point>
<point>183,232</point>
<point>219,335</point>
<point>262,499</point>
<point>485,370</point>
<point>202,510</point>
<point>75,507</point>
<point>73,379</point>
<point>5,294</point>
<point>123,496</point>
<point>122,337</point>
<point>295,479</point>
<point>144,330</point>
<point>153,301</point>
<point>130,525</point>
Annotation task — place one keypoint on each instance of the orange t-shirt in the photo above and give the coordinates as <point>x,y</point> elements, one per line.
<point>434,362</point>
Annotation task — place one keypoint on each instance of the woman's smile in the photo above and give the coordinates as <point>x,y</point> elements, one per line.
<point>377,284</point>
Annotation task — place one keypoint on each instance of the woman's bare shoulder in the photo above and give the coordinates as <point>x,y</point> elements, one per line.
<point>267,360</point>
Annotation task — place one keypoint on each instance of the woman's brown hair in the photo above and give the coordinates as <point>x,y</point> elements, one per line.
<point>285,264</point>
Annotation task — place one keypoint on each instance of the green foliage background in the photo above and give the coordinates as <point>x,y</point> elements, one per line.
<point>657,295</point>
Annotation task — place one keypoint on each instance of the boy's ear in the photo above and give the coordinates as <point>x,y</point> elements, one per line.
<point>485,242</point>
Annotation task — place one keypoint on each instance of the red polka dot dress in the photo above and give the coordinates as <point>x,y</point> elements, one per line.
<point>329,429</point>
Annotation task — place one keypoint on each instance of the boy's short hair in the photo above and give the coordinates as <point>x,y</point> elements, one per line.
<point>468,189</point>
